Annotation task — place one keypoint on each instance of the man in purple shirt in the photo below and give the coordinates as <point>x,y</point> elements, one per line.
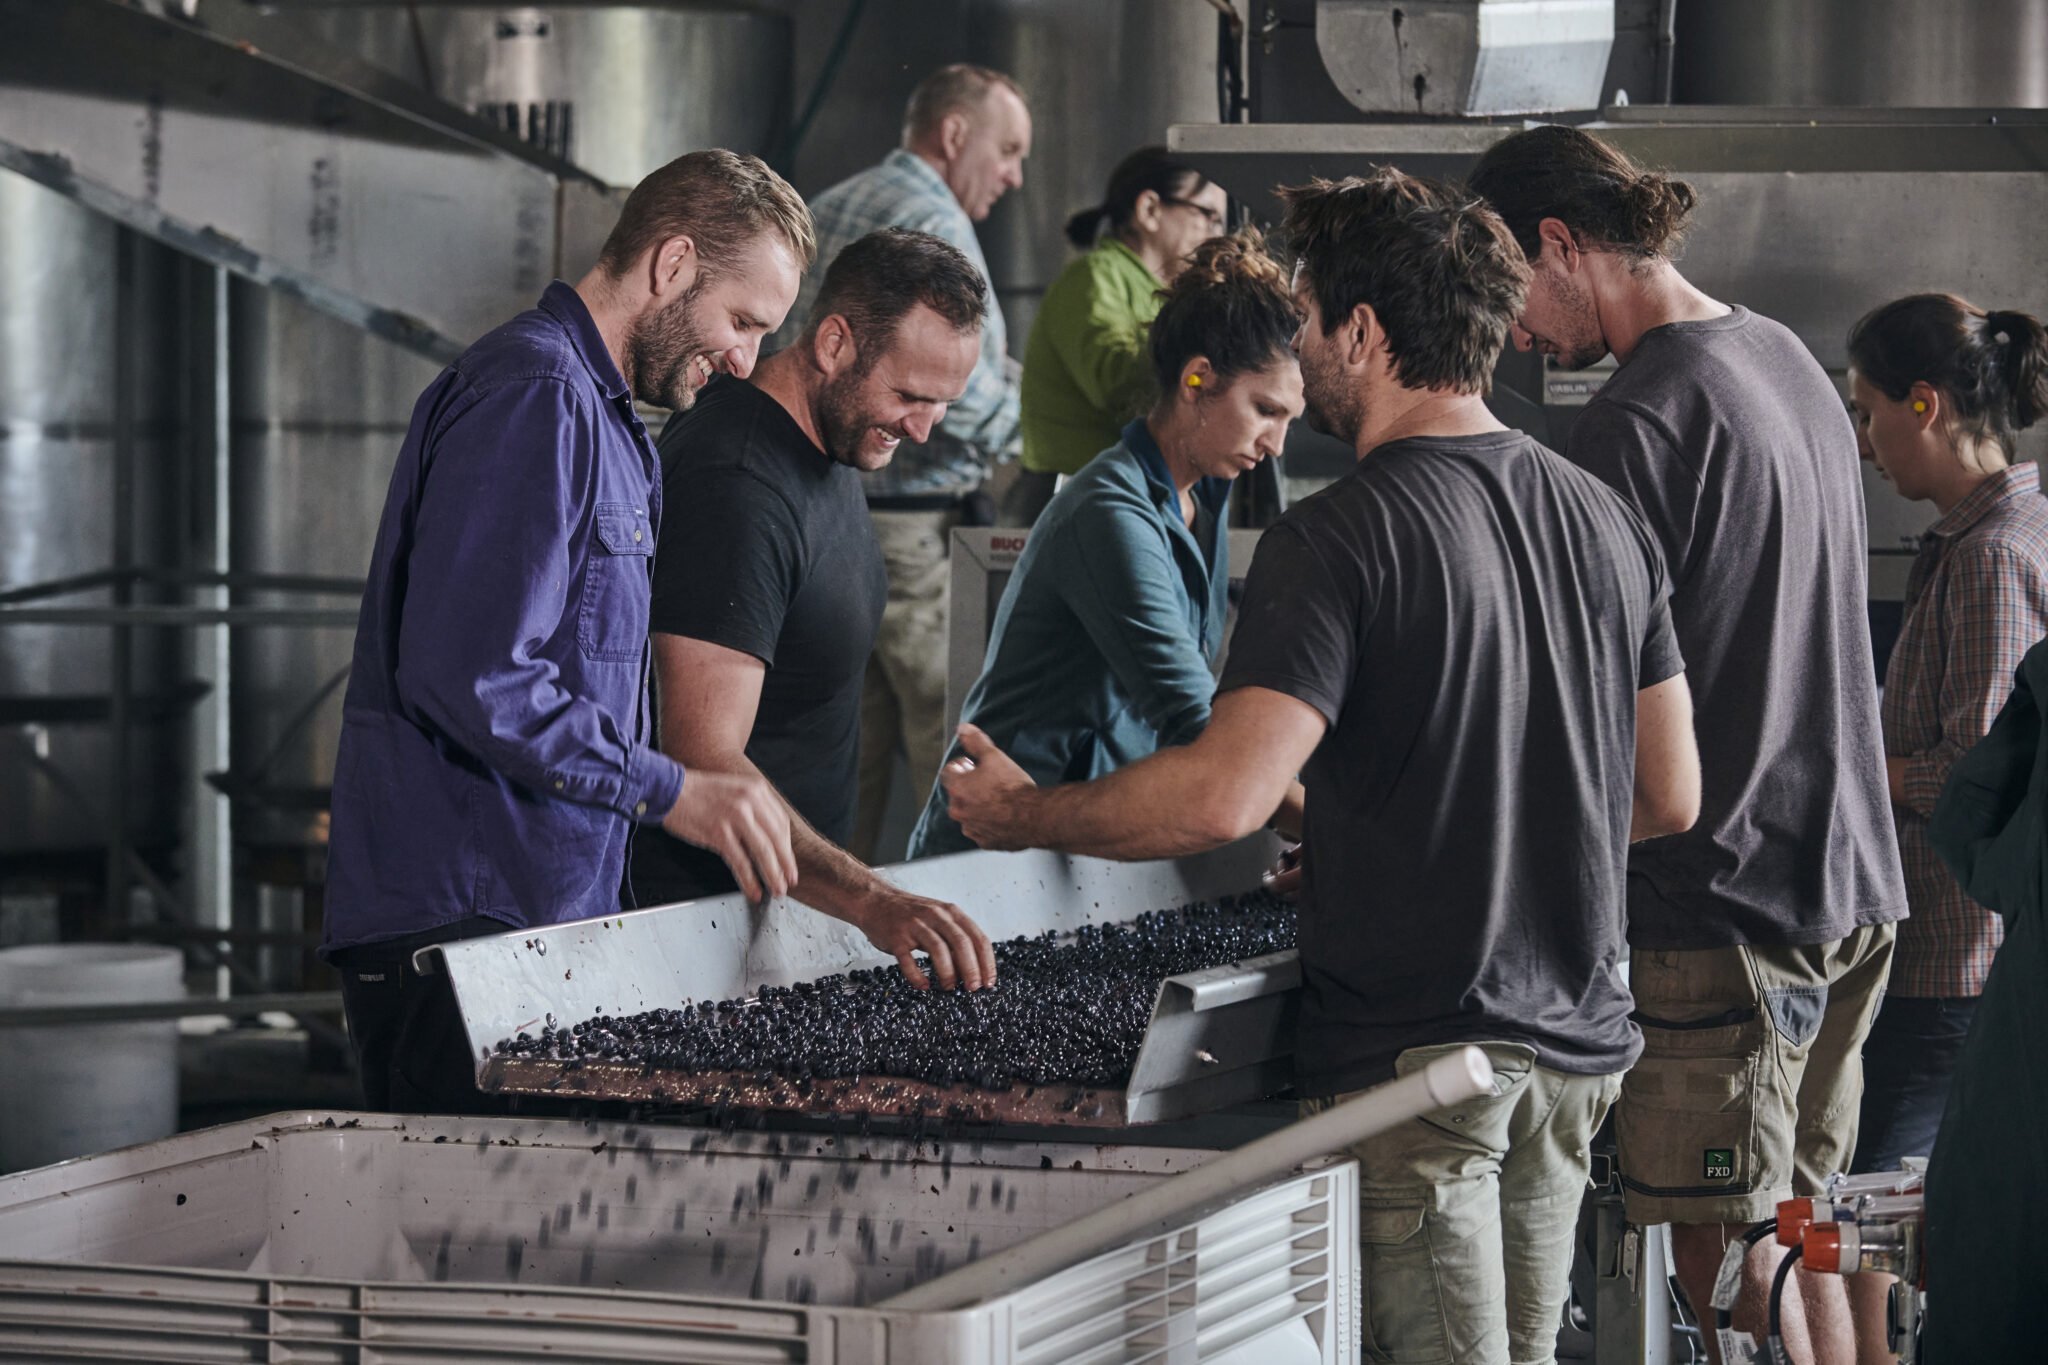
<point>494,749</point>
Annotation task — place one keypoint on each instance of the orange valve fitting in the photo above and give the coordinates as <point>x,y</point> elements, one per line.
<point>1796,1215</point>
<point>1833,1248</point>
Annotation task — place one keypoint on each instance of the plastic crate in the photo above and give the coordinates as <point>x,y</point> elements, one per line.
<point>374,1240</point>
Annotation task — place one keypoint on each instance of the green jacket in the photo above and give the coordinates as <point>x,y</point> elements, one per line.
<point>1987,1183</point>
<point>1087,366</point>
<point>1103,641</point>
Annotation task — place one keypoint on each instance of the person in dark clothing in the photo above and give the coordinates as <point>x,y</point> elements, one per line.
<point>1987,1200</point>
<point>494,755</point>
<point>769,584</point>
<point>1759,939</point>
<point>1463,647</point>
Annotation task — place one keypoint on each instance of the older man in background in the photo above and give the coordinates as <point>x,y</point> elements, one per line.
<point>966,133</point>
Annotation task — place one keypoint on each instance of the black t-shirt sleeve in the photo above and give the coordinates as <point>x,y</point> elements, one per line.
<point>1297,628</point>
<point>728,562</point>
<point>1631,453</point>
<point>1660,660</point>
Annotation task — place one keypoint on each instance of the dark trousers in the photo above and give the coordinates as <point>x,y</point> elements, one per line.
<point>1907,1061</point>
<point>412,1053</point>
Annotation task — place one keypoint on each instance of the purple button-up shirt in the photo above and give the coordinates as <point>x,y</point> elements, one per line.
<point>494,749</point>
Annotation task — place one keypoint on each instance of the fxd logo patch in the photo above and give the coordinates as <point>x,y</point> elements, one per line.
<point>1720,1163</point>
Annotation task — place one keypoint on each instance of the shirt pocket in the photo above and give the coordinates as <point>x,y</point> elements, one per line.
<point>612,626</point>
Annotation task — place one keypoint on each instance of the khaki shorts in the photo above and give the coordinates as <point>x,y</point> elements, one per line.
<point>1466,1218</point>
<point>1751,1075</point>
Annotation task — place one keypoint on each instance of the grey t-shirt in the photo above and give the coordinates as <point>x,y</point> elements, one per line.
<point>1473,616</point>
<point>1738,451</point>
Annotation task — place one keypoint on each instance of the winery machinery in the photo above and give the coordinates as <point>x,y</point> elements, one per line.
<point>1217,1037</point>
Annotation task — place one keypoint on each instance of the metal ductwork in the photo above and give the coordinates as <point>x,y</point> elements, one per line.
<point>238,137</point>
<point>1864,53</point>
<point>1445,58</point>
<point>617,90</point>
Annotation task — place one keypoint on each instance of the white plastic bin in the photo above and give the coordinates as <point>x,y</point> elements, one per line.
<point>359,1238</point>
<point>72,1089</point>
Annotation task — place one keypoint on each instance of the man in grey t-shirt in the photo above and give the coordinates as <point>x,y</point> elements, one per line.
<point>1762,937</point>
<point>1464,650</point>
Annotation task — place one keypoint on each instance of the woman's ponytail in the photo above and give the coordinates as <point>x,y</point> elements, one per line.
<point>2023,356</point>
<point>1082,227</point>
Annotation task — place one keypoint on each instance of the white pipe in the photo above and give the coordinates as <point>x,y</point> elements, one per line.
<point>1447,1080</point>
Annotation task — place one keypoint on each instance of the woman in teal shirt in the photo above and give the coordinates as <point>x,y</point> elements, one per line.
<point>1086,369</point>
<point>1103,642</point>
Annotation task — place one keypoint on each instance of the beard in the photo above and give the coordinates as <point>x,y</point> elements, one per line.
<point>661,352</point>
<point>845,424</point>
<point>1580,343</point>
<point>1333,406</point>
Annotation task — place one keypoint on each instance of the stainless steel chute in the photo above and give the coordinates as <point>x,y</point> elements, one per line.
<point>1217,1037</point>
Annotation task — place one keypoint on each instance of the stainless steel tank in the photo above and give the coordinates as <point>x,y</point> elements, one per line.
<point>1901,53</point>
<point>320,410</point>
<point>1102,81</point>
<point>618,90</point>
<point>58,338</point>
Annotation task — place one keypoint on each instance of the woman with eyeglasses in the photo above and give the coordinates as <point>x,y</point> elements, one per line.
<point>1085,367</point>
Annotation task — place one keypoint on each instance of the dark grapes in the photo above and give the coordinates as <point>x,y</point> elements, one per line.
<point>1064,1009</point>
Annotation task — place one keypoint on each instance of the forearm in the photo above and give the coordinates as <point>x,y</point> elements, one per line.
<point>829,879</point>
<point>1166,806</point>
<point>1288,820</point>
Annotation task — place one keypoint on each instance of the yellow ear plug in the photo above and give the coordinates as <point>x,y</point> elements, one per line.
<point>1194,381</point>
<point>1919,405</point>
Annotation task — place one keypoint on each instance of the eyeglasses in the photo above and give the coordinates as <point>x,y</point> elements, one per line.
<point>1216,219</point>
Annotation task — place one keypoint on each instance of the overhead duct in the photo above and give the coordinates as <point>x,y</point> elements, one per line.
<point>1450,58</point>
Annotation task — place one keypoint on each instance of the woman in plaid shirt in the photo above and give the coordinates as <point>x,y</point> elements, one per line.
<point>1939,388</point>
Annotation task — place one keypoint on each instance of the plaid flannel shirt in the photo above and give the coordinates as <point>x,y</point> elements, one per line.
<point>905,191</point>
<point>1976,601</point>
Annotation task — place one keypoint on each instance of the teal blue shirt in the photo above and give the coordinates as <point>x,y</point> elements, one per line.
<point>1103,642</point>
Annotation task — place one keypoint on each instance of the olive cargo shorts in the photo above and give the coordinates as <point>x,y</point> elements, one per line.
<point>1751,1075</point>
<point>1467,1217</point>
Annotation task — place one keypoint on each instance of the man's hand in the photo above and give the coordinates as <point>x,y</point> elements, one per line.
<point>898,922</point>
<point>1283,878</point>
<point>986,792</point>
<point>742,820</point>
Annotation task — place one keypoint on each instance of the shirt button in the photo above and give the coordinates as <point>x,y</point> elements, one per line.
<point>559,784</point>
<point>640,809</point>
<point>636,537</point>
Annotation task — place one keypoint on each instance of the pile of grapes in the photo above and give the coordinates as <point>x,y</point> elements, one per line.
<point>1064,1009</point>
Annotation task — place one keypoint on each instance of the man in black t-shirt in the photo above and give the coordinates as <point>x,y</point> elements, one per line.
<point>769,587</point>
<point>1464,648</point>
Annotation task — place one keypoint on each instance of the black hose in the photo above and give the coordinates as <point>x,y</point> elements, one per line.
<point>1776,1340</point>
<point>1724,1318</point>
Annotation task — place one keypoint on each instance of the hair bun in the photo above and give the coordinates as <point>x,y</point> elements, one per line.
<point>1238,257</point>
<point>1658,209</point>
<point>1082,227</point>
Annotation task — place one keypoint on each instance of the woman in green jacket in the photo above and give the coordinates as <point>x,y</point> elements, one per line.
<point>1085,367</point>
<point>1103,643</point>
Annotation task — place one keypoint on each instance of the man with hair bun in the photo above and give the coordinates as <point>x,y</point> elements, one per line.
<point>1762,937</point>
<point>966,134</point>
<point>495,750</point>
<point>1464,650</point>
<point>768,585</point>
